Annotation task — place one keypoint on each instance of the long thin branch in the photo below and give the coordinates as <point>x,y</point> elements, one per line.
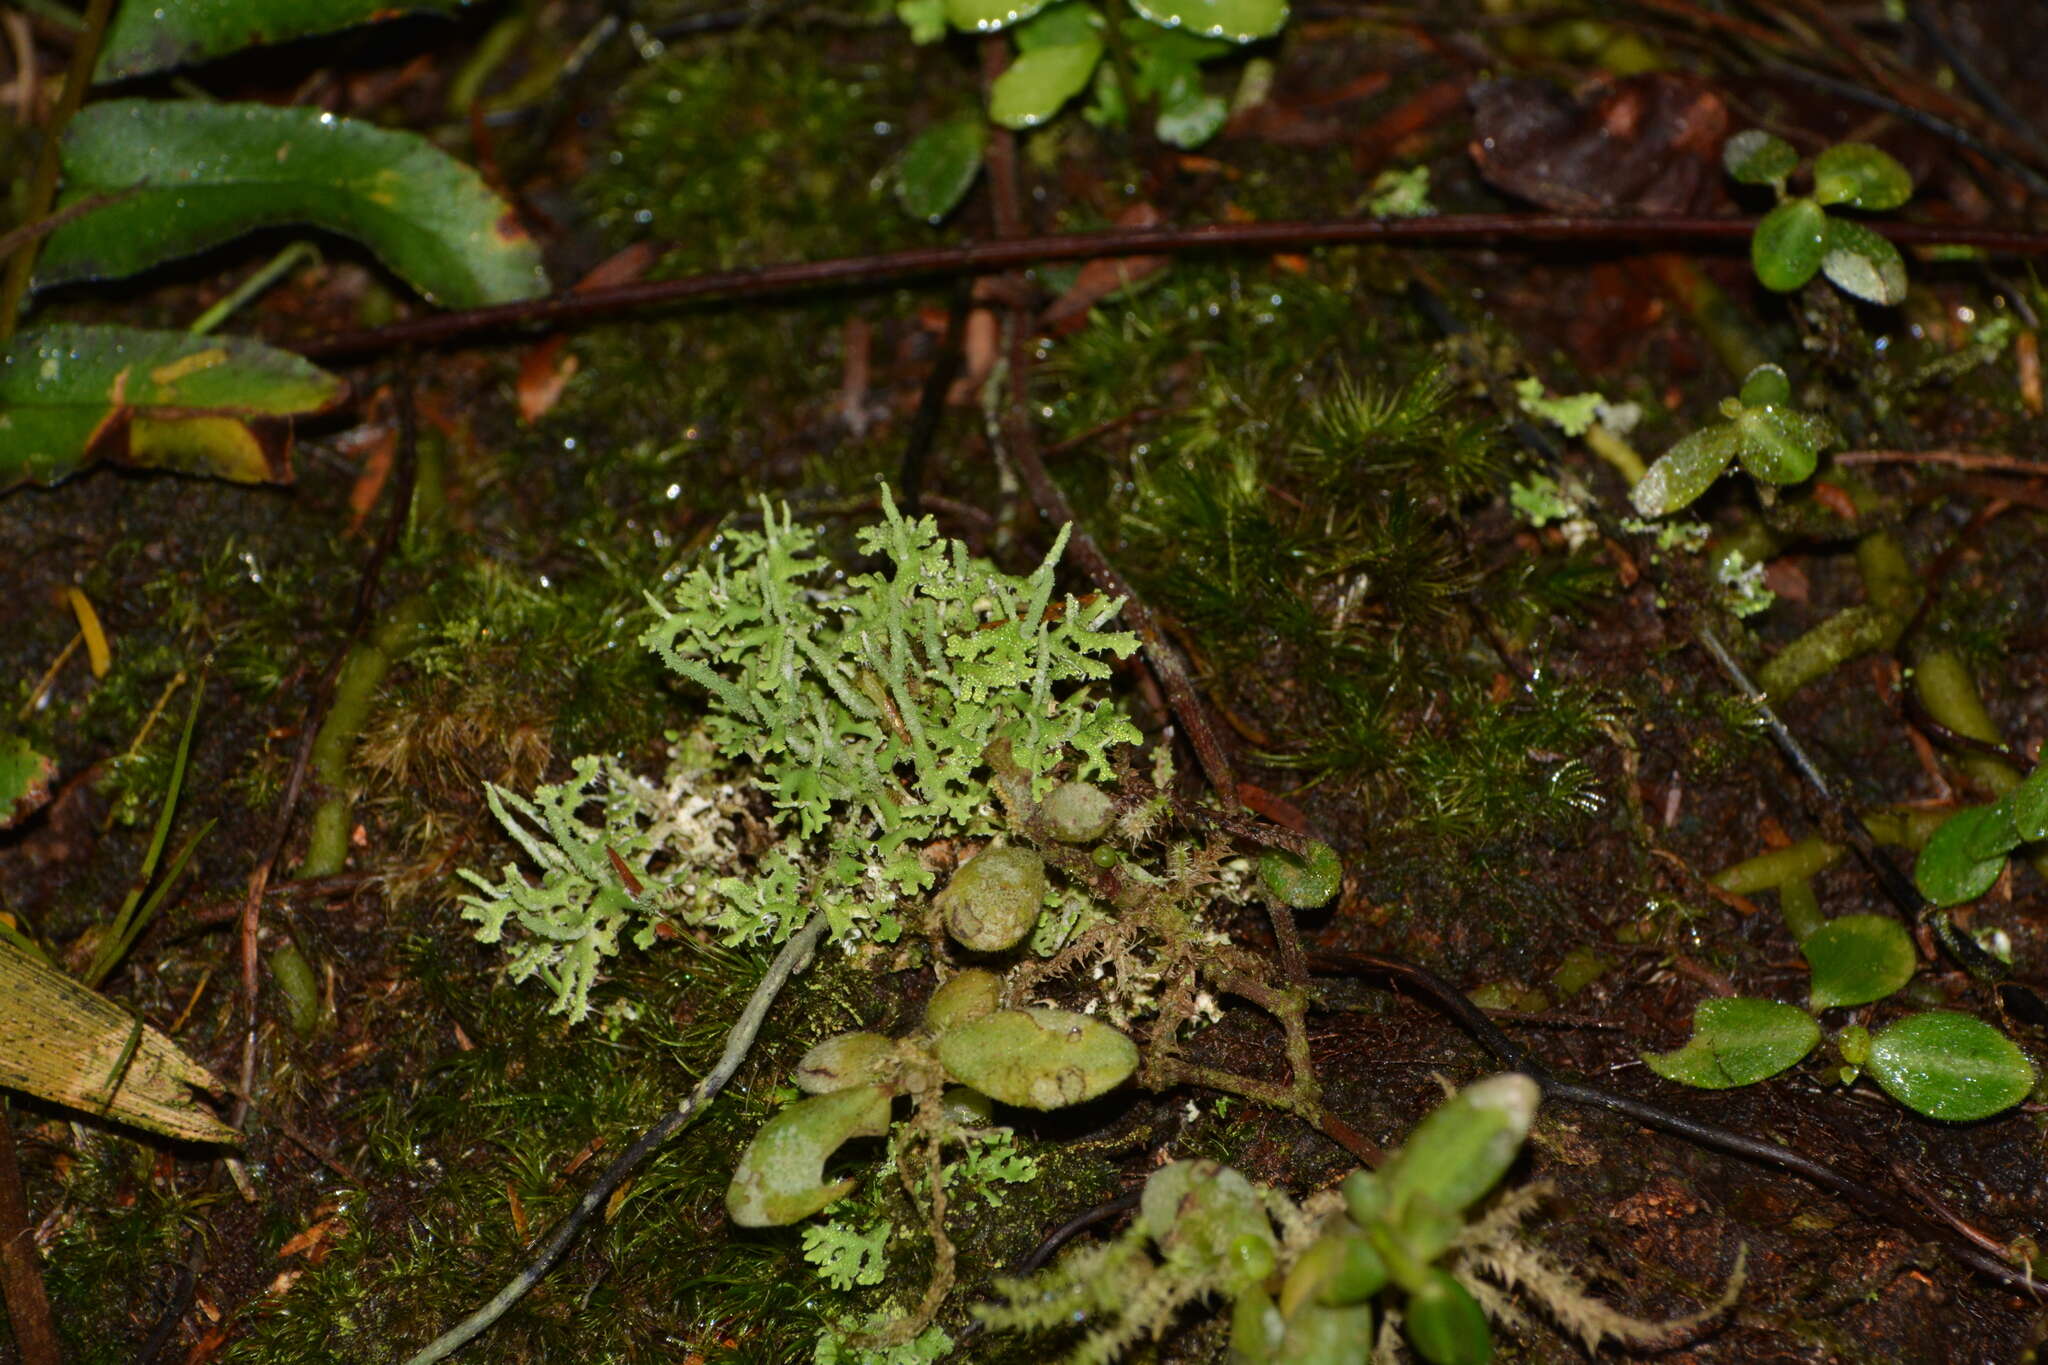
<point>983,258</point>
<point>794,956</point>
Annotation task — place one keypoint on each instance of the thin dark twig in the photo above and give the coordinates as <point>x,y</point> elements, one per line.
<point>988,258</point>
<point>1050,1244</point>
<point>931,405</point>
<point>1966,71</point>
<point>1448,999</point>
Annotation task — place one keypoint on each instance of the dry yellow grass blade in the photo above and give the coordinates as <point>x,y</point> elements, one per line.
<point>62,1042</point>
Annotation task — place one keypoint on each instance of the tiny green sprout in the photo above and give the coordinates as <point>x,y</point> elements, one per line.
<point>1304,882</point>
<point>1968,853</point>
<point>1800,237</point>
<point>1776,443</point>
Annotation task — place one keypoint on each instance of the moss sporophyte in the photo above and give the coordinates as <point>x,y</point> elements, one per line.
<point>948,793</point>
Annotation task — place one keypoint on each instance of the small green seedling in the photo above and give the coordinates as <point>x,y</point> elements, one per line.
<point>1800,236</point>
<point>1156,52</point>
<point>1943,1064</point>
<point>1966,856</point>
<point>1776,443</point>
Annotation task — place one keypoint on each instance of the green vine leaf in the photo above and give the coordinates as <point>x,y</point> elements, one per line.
<point>1860,176</point>
<point>1237,21</point>
<point>1756,157</point>
<point>1788,244</point>
<point>1857,959</point>
<point>988,16</point>
<point>1684,472</point>
<point>1863,263</point>
<point>1951,1066</point>
<point>1040,82</point>
<point>938,168</point>
<point>2029,805</point>
<point>1965,855</point>
<point>145,38</point>
<point>1737,1041</point>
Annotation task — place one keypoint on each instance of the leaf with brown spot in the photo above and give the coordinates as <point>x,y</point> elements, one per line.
<point>71,395</point>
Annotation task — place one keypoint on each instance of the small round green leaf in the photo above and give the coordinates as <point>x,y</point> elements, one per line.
<point>1766,386</point>
<point>1239,21</point>
<point>986,16</point>
<point>2029,803</point>
<point>1040,81</point>
<point>1737,1041</point>
<point>1860,176</point>
<point>1862,263</point>
<point>937,168</point>
<point>24,779</point>
<point>1303,883</point>
<point>1685,471</point>
<point>1965,855</point>
<point>1446,1325</point>
<point>1788,244</point>
<point>1756,157</point>
<point>1857,959</point>
<point>1775,444</point>
<point>1952,1066</point>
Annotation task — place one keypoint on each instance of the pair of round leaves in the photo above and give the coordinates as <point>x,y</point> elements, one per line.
<point>1799,236</point>
<point>1944,1064</point>
<point>1967,853</point>
<point>1776,443</point>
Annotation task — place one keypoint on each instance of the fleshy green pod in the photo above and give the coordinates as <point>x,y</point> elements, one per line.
<point>1037,1058</point>
<point>301,991</point>
<point>1465,1146</point>
<point>993,901</point>
<point>1339,1268</point>
<point>1329,1336</point>
<point>1078,812</point>
<point>781,1175</point>
<point>1206,1216</point>
<point>837,1063</point>
<point>964,996</point>
<point>1446,1325</point>
<point>1305,882</point>
<point>1256,1330</point>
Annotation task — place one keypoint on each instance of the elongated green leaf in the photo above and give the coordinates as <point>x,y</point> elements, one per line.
<point>1860,176</point>
<point>1737,1041</point>
<point>155,37</point>
<point>210,172</point>
<point>1239,21</point>
<point>1463,1148</point>
<point>1965,855</point>
<point>1950,1066</point>
<point>1756,157</point>
<point>1040,81</point>
<point>1857,959</point>
<point>1788,244</point>
<point>2029,802</point>
<point>71,395</point>
<point>937,168</point>
<point>1685,471</point>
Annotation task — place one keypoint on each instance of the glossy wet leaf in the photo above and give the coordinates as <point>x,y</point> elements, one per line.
<point>1064,25</point>
<point>1860,176</point>
<point>1682,473</point>
<point>24,779</point>
<point>1857,959</point>
<point>71,395</point>
<point>1040,81</point>
<point>1862,263</point>
<point>2029,805</point>
<point>1756,157</point>
<point>1737,1041</point>
<point>1788,244</point>
<point>1950,1066</point>
<point>938,168</point>
<point>1188,114</point>
<point>1965,855</point>
<point>1239,21</point>
<point>1778,445</point>
<point>1038,1058</point>
<point>210,172</point>
<point>986,16</point>
<point>143,38</point>
<point>1765,386</point>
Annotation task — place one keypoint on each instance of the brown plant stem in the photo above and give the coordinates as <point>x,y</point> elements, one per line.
<point>43,188</point>
<point>21,1279</point>
<point>995,257</point>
